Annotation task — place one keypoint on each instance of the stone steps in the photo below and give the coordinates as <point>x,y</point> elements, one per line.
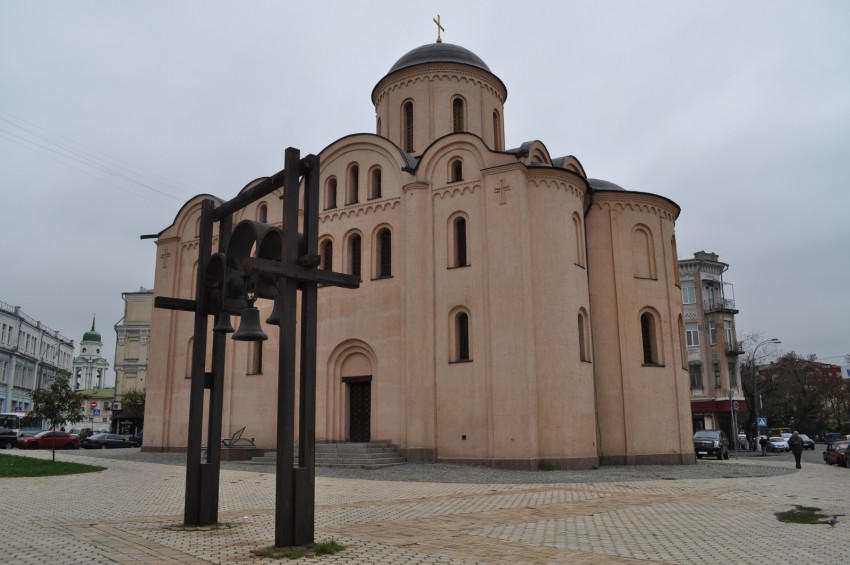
<point>350,455</point>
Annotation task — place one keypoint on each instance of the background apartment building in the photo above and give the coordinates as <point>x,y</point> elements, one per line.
<point>31,355</point>
<point>131,356</point>
<point>711,338</point>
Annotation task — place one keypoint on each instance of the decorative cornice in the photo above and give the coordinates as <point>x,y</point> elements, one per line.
<point>353,210</point>
<point>631,201</point>
<point>552,180</point>
<point>456,189</point>
<point>436,71</point>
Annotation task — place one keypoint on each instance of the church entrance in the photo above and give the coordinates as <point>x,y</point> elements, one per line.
<point>360,410</point>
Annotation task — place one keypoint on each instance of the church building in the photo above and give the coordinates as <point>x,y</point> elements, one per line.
<point>512,311</point>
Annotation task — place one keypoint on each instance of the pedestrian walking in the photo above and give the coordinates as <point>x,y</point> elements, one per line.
<point>763,444</point>
<point>796,445</point>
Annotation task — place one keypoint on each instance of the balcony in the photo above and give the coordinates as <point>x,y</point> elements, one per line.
<point>725,305</point>
<point>735,348</point>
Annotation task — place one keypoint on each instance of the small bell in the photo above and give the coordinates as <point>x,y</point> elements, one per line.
<point>274,318</point>
<point>249,326</point>
<point>222,323</point>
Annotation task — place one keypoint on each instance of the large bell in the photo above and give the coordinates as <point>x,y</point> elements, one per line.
<point>222,323</point>
<point>249,326</point>
<point>274,318</point>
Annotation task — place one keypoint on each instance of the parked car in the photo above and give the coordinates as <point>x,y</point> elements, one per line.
<point>808,443</point>
<point>8,438</point>
<point>832,436</point>
<point>105,441</point>
<point>136,439</point>
<point>777,444</point>
<point>49,440</point>
<point>711,442</point>
<point>742,442</point>
<point>835,453</point>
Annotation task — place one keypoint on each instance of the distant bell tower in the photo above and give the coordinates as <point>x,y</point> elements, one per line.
<point>89,368</point>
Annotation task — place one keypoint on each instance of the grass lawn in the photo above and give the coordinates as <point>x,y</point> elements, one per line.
<point>17,466</point>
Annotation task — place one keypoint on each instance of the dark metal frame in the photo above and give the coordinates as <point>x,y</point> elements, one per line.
<point>293,271</point>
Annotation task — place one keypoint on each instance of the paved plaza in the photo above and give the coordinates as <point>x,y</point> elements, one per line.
<point>712,512</point>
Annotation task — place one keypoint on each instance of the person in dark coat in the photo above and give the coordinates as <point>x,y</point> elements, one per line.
<point>796,445</point>
<point>763,444</point>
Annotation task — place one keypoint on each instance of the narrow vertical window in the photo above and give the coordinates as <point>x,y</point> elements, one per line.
<point>462,336</point>
<point>408,126</point>
<point>695,372</point>
<point>378,127</point>
<point>456,170</point>
<point>579,240</point>
<point>354,255</point>
<point>649,339</point>
<point>330,194</point>
<point>582,338</point>
<point>712,333</point>
<point>385,253</point>
<point>457,115</point>
<point>375,183</point>
<point>497,130</point>
<point>460,258</point>
<point>327,253</point>
<point>353,186</point>
<point>733,374</point>
<point>262,213</point>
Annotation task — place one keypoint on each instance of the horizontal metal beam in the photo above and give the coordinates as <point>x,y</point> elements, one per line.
<point>264,187</point>
<point>300,273</point>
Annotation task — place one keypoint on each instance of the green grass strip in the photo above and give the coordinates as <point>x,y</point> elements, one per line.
<point>17,466</point>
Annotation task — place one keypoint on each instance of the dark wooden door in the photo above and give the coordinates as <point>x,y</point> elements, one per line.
<point>360,411</point>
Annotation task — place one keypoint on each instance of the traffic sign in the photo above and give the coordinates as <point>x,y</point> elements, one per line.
<point>95,412</point>
<point>93,404</point>
<point>763,422</point>
<point>735,405</point>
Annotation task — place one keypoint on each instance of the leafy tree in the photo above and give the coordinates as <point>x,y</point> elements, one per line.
<point>57,404</point>
<point>133,399</point>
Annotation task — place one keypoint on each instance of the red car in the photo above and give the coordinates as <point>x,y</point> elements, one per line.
<point>49,440</point>
<point>834,454</point>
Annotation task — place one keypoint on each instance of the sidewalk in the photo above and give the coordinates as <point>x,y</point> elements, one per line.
<point>712,512</point>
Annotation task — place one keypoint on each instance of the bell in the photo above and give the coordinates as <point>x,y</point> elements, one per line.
<point>274,318</point>
<point>222,323</point>
<point>249,326</point>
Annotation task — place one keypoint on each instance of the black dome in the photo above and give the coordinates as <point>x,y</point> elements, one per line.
<point>599,184</point>
<point>439,53</point>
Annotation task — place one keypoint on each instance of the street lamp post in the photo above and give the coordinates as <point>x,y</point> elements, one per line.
<point>755,382</point>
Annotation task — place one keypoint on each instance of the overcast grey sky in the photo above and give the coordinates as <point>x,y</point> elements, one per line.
<point>113,114</point>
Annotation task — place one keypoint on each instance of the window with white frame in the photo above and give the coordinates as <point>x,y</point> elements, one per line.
<point>712,333</point>
<point>692,335</point>
<point>727,331</point>
<point>689,295</point>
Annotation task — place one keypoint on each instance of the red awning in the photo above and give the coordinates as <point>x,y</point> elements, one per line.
<point>710,406</point>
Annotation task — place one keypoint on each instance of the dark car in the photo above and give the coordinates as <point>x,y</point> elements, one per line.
<point>49,440</point>
<point>105,441</point>
<point>808,443</point>
<point>8,438</point>
<point>835,453</point>
<point>136,439</point>
<point>711,442</point>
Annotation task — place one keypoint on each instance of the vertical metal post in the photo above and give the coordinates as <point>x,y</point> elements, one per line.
<point>211,469</point>
<point>306,473</point>
<point>285,517</point>
<point>195,485</point>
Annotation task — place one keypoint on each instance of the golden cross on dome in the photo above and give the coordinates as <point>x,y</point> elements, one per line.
<point>439,28</point>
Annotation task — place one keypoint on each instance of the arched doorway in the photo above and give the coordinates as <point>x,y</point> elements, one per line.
<point>359,395</point>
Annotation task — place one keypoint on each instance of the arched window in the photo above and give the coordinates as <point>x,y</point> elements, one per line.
<point>650,339</point>
<point>375,183</point>
<point>643,253</point>
<point>583,342</point>
<point>262,213</point>
<point>682,347</point>
<point>456,170</point>
<point>330,194</point>
<point>457,115</point>
<point>378,127</point>
<point>461,337</point>
<point>384,258</point>
<point>407,133</point>
<point>198,227</point>
<point>579,240</point>
<point>353,185</point>
<point>459,243</point>
<point>354,255</point>
<point>675,258</point>
<point>497,129</point>
<point>327,254</point>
